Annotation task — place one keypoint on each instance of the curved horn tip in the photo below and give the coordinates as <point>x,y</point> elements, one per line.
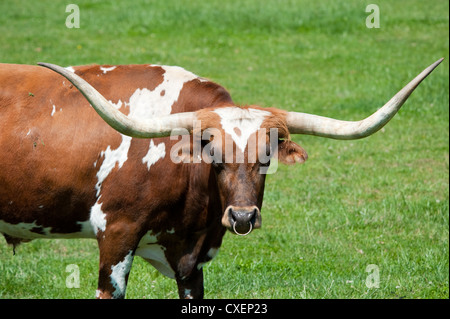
<point>302,123</point>
<point>435,64</point>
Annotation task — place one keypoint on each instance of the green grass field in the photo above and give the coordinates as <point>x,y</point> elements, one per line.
<point>382,201</point>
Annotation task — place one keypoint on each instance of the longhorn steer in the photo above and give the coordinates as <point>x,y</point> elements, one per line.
<point>65,173</point>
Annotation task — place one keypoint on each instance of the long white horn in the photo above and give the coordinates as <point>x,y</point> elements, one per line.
<point>303,123</point>
<point>157,127</point>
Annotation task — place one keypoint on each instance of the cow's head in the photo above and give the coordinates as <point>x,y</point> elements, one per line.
<point>238,143</point>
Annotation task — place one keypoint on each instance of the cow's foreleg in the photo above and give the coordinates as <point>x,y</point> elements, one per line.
<point>191,287</point>
<point>116,257</point>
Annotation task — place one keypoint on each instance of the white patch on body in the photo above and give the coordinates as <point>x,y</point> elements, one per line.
<point>248,121</point>
<point>107,69</point>
<point>154,154</point>
<point>119,272</point>
<point>178,73</point>
<point>150,250</point>
<point>117,105</point>
<point>158,102</point>
<point>112,158</point>
<point>97,218</point>
<point>53,110</point>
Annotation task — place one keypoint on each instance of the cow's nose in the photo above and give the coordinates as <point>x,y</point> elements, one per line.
<point>244,219</point>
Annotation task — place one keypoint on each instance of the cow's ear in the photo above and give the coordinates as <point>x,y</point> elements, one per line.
<point>290,152</point>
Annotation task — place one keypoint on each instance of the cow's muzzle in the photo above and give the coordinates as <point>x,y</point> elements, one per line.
<point>242,220</point>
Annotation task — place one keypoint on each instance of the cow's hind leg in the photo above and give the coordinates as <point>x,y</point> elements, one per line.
<point>191,287</point>
<point>117,246</point>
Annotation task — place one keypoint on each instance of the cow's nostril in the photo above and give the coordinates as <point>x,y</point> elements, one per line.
<point>243,216</point>
<point>231,215</point>
<point>254,214</point>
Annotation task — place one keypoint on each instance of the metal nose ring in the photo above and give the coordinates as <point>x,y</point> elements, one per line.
<point>237,233</point>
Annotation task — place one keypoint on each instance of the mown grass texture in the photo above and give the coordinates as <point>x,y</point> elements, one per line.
<point>378,201</point>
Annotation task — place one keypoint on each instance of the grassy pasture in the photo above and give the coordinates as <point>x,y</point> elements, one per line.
<point>380,201</point>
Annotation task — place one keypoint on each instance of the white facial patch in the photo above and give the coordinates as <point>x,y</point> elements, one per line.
<point>240,123</point>
<point>119,272</point>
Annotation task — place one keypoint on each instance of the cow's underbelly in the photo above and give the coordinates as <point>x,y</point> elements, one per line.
<point>34,230</point>
<point>151,251</point>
